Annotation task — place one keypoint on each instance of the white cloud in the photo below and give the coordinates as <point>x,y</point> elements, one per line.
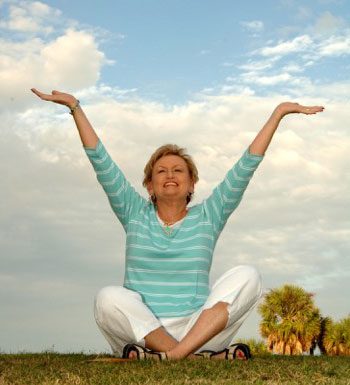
<point>335,46</point>
<point>71,61</point>
<point>319,281</point>
<point>61,217</point>
<point>328,23</point>
<point>298,44</point>
<point>257,65</point>
<point>291,223</point>
<point>63,59</point>
<point>303,13</point>
<point>256,78</point>
<point>253,26</point>
<point>30,17</point>
<point>68,59</point>
<point>293,67</point>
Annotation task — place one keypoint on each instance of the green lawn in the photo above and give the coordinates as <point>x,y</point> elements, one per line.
<point>59,369</point>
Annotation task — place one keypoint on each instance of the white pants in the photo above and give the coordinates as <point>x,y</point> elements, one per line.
<point>123,318</point>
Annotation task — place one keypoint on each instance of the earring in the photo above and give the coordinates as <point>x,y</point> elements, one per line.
<point>152,199</point>
<point>189,197</point>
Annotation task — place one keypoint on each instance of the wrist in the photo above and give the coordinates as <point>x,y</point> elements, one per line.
<point>74,106</point>
<point>279,112</point>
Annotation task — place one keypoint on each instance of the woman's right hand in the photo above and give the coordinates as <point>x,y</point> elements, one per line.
<point>57,97</point>
<point>87,134</point>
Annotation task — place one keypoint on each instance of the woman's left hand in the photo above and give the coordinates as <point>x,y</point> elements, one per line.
<point>296,108</point>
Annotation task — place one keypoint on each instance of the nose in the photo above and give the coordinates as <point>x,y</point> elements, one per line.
<point>170,174</point>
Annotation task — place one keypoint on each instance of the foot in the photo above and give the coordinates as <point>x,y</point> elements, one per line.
<point>234,352</point>
<point>137,352</point>
<point>132,355</point>
<point>227,355</point>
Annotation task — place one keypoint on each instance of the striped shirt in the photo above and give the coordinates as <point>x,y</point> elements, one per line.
<point>170,272</point>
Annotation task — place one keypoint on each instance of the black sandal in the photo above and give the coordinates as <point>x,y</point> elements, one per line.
<point>234,349</point>
<point>232,352</point>
<point>143,353</point>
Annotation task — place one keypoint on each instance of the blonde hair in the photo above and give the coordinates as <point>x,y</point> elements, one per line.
<point>170,149</point>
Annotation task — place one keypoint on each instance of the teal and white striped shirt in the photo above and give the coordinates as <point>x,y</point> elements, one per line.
<point>171,272</point>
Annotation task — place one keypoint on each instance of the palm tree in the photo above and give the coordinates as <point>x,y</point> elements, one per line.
<point>290,320</point>
<point>336,340</point>
<point>325,324</point>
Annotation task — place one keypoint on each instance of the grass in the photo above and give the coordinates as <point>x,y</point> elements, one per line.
<point>75,369</point>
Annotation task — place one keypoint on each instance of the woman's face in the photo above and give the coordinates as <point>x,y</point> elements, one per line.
<point>170,179</point>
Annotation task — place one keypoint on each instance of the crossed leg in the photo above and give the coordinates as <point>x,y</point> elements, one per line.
<point>210,322</point>
<point>122,318</point>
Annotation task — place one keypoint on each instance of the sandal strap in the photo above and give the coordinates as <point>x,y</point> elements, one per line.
<point>233,349</point>
<point>143,353</point>
<point>153,355</point>
<point>139,350</point>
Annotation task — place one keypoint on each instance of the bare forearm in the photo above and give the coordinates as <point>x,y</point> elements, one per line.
<point>264,137</point>
<point>87,134</point>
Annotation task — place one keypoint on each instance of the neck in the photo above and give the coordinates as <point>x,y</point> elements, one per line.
<point>171,212</point>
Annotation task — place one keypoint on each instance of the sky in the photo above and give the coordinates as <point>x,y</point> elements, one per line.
<point>203,74</point>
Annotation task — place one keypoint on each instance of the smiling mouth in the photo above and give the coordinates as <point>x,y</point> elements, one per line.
<point>170,184</point>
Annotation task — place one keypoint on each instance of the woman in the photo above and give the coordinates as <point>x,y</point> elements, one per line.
<point>165,309</point>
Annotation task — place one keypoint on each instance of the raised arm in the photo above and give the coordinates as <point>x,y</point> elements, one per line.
<point>263,139</point>
<point>87,133</point>
<point>123,198</point>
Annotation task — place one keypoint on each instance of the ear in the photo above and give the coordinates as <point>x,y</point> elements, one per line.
<point>149,187</point>
<point>192,187</point>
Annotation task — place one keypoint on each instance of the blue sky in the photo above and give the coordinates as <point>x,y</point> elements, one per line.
<point>171,50</point>
<point>203,74</point>
<point>179,47</point>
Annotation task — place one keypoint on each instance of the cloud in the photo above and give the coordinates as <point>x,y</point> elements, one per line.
<point>253,26</point>
<point>65,55</point>
<point>291,223</point>
<point>328,23</point>
<point>30,17</point>
<point>288,66</point>
<point>56,64</point>
<point>49,60</point>
<point>68,240</point>
<point>298,44</point>
<point>256,78</point>
<point>293,67</point>
<point>303,13</point>
<point>257,65</point>
<point>335,46</point>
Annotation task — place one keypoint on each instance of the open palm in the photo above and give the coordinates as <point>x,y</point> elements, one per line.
<point>296,108</point>
<point>57,97</point>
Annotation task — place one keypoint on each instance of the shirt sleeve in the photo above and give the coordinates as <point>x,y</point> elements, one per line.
<point>123,198</point>
<point>228,194</point>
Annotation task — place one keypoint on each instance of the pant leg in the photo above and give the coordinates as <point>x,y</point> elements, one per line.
<point>122,317</point>
<point>241,288</point>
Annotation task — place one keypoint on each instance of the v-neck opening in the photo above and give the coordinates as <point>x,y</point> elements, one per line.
<point>175,226</point>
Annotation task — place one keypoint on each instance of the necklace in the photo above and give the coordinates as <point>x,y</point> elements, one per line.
<point>168,227</point>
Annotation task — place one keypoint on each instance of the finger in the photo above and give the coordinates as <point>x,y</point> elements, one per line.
<point>54,92</point>
<point>42,95</point>
<point>312,109</point>
<point>36,92</point>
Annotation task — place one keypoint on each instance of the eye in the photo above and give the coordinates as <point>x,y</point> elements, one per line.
<point>178,170</point>
<point>159,171</point>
